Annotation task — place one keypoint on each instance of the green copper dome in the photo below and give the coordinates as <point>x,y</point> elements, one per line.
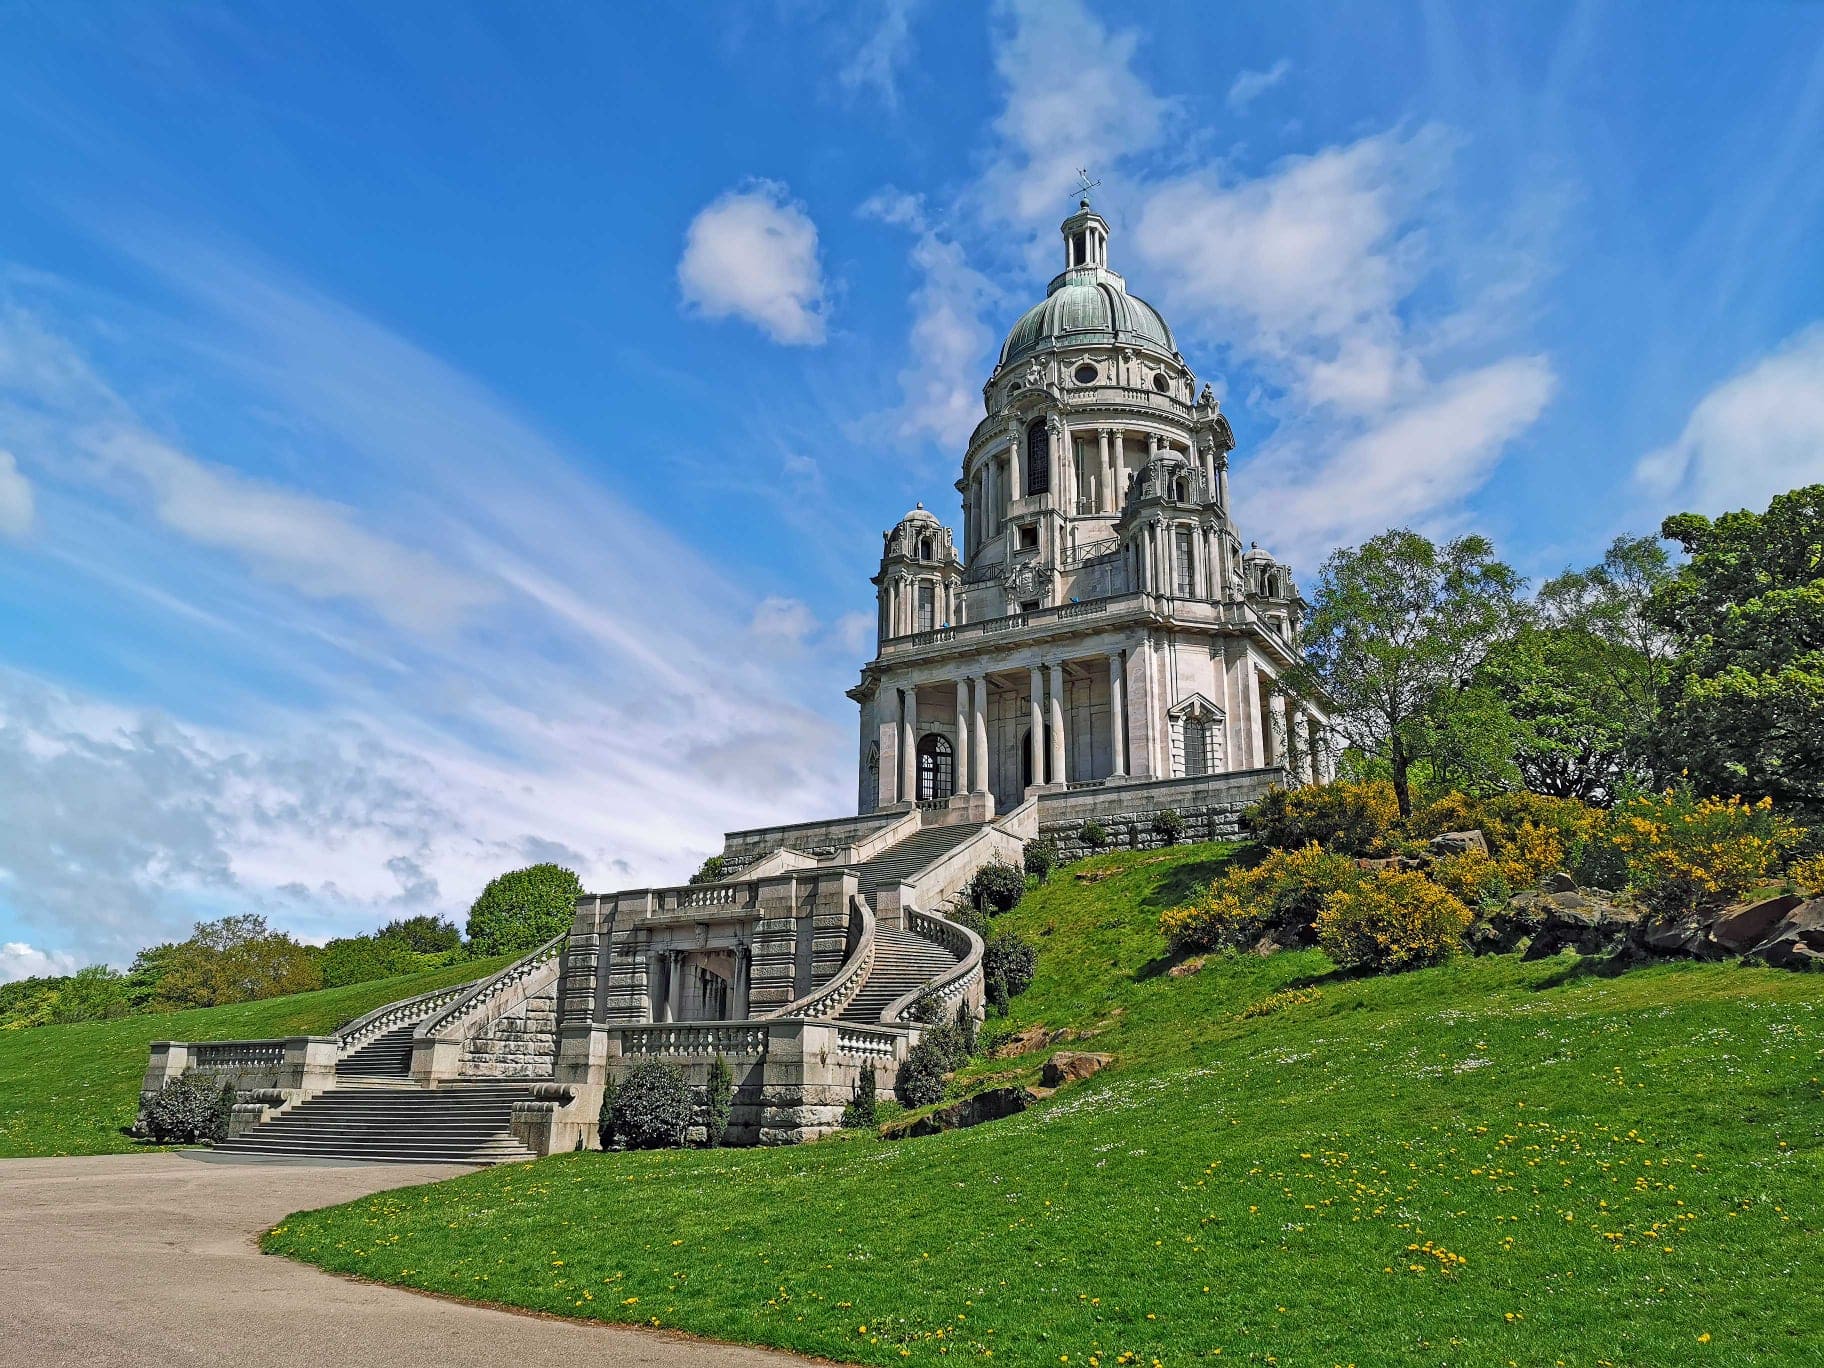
<point>1086,307</point>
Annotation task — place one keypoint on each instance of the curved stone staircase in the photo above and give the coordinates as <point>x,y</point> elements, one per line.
<point>903,961</point>
<point>917,852</point>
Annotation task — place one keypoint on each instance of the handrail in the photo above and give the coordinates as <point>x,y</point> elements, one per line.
<point>476,994</point>
<point>386,1016</point>
<point>833,996</point>
<point>960,941</point>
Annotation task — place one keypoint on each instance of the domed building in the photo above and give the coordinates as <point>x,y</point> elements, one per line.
<point>1101,622</point>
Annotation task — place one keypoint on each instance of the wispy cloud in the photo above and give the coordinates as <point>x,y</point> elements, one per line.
<point>876,62</point>
<point>752,254</point>
<point>1249,86</point>
<point>16,503</point>
<point>1756,434</point>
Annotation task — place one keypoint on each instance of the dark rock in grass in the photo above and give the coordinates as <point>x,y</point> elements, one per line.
<point>1072,1066</point>
<point>991,1105</point>
<point>1797,939</point>
<point>1687,935</point>
<point>1739,929</point>
<point>1459,843</point>
<point>1589,922</point>
<point>1558,882</point>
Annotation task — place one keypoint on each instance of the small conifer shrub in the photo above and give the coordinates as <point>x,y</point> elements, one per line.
<point>719,1102</point>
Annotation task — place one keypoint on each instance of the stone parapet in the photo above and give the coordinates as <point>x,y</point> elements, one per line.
<point>1210,806</point>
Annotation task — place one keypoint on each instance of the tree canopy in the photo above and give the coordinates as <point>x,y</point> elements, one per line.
<point>521,909</point>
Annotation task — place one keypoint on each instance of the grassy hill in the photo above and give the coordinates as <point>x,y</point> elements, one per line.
<point>72,1089</point>
<point>1492,1162</point>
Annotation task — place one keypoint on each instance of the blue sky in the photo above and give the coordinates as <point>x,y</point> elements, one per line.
<point>438,437</point>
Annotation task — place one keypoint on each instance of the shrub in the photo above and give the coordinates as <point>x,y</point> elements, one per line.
<point>710,871</point>
<point>522,909</point>
<point>187,1109</point>
<point>1350,818</point>
<point>1807,875</point>
<point>864,1108</point>
<point>1394,920</point>
<point>964,1026</point>
<point>1474,879</point>
<point>1168,826</point>
<point>1278,1002</point>
<point>925,1010</point>
<point>1008,964</point>
<point>604,1121</point>
<point>940,1049</point>
<point>1688,854</point>
<point>997,886</point>
<point>1094,834</point>
<point>719,1102</point>
<point>1286,890</point>
<point>1041,857</point>
<point>652,1106</point>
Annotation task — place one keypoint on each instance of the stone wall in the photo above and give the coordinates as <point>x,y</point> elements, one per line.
<point>742,848</point>
<point>521,1043</point>
<point>1211,806</point>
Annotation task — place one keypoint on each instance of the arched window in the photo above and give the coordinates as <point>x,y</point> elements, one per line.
<point>1196,747</point>
<point>1032,767</point>
<point>924,548</point>
<point>936,767</point>
<point>1038,459</point>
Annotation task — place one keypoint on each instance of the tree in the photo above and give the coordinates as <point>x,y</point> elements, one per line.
<point>1397,630</point>
<point>1743,699</point>
<point>522,909</point>
<point>424,934</point>
<point>97,993</point>
<point>1583,681</point>
<point>233,959</point>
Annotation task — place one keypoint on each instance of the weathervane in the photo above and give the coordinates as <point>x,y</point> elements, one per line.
<point>1084,183</point>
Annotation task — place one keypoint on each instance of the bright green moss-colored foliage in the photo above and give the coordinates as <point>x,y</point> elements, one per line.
<point>1487,1162</point>
<point>74,1089</point>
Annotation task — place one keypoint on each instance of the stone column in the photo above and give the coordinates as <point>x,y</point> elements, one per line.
<point>1058,775</point>
<point>908,740</point>
<point>1117,718</point>
<point>978,767</point>
<point>962,734</point>
<point>1222,480</point>
<point>1119,492</point>
<point>1016,477</point>
<point>1036,676</point>
<point>1251,701</point>
<point>1105,500</point>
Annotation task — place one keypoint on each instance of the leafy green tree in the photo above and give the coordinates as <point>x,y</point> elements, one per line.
<point>1397,630</point>
<point>1743,698</point>
<point>97,993</point>
<point>425,933</point>
<point>522,909</point>
<point>234,959</point>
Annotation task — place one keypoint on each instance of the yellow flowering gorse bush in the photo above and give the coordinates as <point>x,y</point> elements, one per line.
<point>1690,854</point>
<point>1398,919</point>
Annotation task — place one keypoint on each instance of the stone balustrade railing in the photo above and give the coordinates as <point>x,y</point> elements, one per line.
<point>954,986</point>
<point>394,1014</point>
<point>238,1056</point>
<point>741,1038</point>
<point>832,997</point>
<point>867,1042</point>
<point>475,998</point>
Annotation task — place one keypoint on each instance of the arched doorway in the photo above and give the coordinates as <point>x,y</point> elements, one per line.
<point>936,767</point>
<point>1028,766</point>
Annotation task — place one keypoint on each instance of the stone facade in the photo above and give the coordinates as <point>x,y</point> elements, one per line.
<point>520,1043</point>
<point>1100,619</point>
<point>1210,808</point>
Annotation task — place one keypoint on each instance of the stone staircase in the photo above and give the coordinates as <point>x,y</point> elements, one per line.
<point>902,961</point>
<point>899,862</point>
<point>382,1120</point>
<point>385,1056</point>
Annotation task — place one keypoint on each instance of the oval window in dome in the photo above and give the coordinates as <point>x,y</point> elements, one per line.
<point>1160,383</point>
<point>1086,374</point>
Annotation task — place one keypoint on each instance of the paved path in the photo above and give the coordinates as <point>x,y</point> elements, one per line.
<point>138,1259</point>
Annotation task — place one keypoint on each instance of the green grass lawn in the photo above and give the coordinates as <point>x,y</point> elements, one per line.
<point>1493,1162</point>
<point>74,1089</point>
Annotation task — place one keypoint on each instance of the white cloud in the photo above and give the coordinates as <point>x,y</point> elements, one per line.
<point>19,960</point>
<point>1759,433</point>
<point>752,254</point>
<point>1073,99</point>
<point>877,60</point>
<point>1249,86</point>
<point>783,622</point>
<point>309,544</point>
<point>1422,458</point>
<point>15,498</point>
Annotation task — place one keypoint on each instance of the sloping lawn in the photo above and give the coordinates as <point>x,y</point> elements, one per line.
<point>1494,1162</point>
<point>74,1089</point>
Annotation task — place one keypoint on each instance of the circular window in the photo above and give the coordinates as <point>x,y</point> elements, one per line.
<point>1160,383</point>
<point>1086,374</point>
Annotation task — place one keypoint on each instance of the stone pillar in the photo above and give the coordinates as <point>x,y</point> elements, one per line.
<point>1117,718</point>
<point>1037,680</point>
<point>908,744</point>
<point>1222,481</point>
<point>1058,776</point>
<point>1016,477</point>
<point>1119,492</point>
<point>1105,501</point>
<point>962,734</point>
<point>978,767</point>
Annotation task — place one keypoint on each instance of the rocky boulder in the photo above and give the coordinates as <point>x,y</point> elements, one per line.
<point>1797,939</point>
<point>1459,843</point>
<point>1071,1066</point>
<point>1552,919</point>
<point>1739,929</point>
<point>991,1105</point>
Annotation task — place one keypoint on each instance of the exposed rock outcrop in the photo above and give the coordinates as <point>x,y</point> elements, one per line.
<point>1072,1066</point>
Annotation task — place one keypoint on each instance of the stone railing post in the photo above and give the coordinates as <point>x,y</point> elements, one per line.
<point>309,1064</point>
<point>803,1086</point>
<point>169,1059</point>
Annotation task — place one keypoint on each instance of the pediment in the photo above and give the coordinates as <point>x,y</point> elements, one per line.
<point>1197,706</point>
